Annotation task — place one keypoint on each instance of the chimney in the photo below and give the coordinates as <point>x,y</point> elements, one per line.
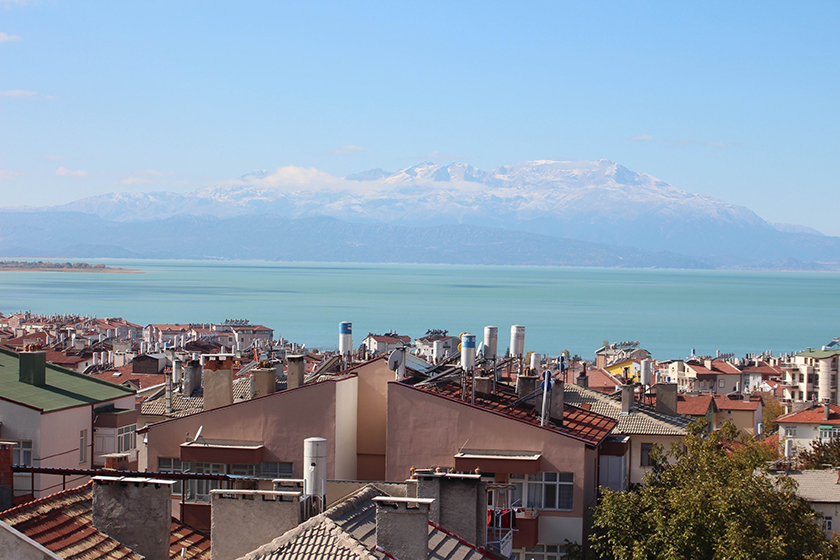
<point>176,371</point>
<point>244,520</point>
<point>7,480</point>
<point>583,380</point>
<point>459,503</point>
<point>526,384</point>
<point>192,377</point>
<point>33,367</point>
<point>708,363</point>
<point>168,394</point>
<point>628,396</point>
<point>218,382</point>
<point>666,398</point>
<point>295,371</point>
<point>826,411</point>
<point>483,386</point>
<point>555,409</point>
<point>264,381</point>
<point>402,527</point>
<point>137,512</point>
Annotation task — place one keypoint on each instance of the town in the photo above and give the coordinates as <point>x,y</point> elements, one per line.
<point>222,441</point>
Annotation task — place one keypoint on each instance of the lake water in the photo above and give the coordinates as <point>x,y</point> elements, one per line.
<point>668,311</point>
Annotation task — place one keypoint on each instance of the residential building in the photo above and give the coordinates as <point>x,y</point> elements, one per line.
<point>59,418</point>
<point>251,336</point>
<point>744,411</point>
<point>447,345</point>
<point>697,407</point>
<point>709,375</point>
<point>814,421</point>
<point>821,489</point>
<point>802,377</point>
<point>382,343</point>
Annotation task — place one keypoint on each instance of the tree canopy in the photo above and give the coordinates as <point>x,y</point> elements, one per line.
<point>705,501</point>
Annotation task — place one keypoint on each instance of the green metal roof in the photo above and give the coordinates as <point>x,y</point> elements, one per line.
<point>64,388</point>
<point>819,353</point>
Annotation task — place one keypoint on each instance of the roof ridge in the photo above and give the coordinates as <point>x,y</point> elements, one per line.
<point>84,488</point>
<point>354,499</point>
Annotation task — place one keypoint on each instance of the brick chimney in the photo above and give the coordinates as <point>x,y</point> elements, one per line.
<point>33,367</point>
<point>402,527</point>
<point>137,512</point>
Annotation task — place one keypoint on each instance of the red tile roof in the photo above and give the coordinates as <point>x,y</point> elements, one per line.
<point>725,403</point>
<point>814,415</point>
<point>63,523</point>
<point>697,405</point>
<point>578,423</point>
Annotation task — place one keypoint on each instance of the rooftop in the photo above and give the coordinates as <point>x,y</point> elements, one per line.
<point>723,402</point>
<point>64,388</point>
<point>811,415</point>
<point>642,420</point>
<point>348,531</point>
<point>694,405</point>
<point>578,423</point>
<point>63,523</point>
<point>817,485</point>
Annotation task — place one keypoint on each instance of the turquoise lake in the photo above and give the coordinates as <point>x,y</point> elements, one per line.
<point>668,311</point>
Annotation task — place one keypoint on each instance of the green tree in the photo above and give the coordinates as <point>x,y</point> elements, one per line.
<point>705,501</point>
<point>821,453</point>
<point>771,409</point>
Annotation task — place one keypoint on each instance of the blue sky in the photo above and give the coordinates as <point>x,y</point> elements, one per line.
<point>739,100</point>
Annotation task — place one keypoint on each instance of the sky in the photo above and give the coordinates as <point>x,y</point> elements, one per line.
<point>738,100</point>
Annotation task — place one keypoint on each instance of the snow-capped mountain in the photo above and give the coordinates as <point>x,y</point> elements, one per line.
<point>594,201</point>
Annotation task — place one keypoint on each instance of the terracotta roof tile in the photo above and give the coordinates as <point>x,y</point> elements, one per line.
<point>725,403</point>
<point>696,405</point>
<point>63,523</point>
<point>813,415</point>
<point>578,423</point>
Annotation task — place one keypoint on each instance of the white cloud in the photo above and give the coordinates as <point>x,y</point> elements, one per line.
<point>7,174</point>
<point>348,150</point>
<point>18,93</point>
<point>6,38</point>
<point>64,172</point>
<point>134,181</point>
<point>642,138</point>
<point>293,177</point>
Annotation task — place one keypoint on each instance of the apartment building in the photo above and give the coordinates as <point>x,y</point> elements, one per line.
<point>811,376</point>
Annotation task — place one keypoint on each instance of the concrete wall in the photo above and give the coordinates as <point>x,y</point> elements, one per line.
<point>637,471</point>
<point>22,423</point>
<point>372,419</point>
<point>15,545</point>
<point>138,515</point>
<point>425,430</point>
<point>346,433</point>
<point>281,421</point>
<point>60,446</point>
<point>245,520</point>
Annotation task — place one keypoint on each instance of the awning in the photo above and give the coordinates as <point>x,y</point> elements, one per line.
<point>498,461</point>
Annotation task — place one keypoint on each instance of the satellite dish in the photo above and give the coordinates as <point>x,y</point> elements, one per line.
<point>395,360</point>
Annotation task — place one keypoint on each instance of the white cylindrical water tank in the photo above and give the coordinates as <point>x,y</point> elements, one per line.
<point>491,342</point>
<point>315,467</point>
<point>517,340</point>
<point>345,338</point>
<point>646,372</point>
<point>437,351</point>
<point>176,371</point>
<point>535,362</point>
<point>468,351</point>
<point>825,380</point>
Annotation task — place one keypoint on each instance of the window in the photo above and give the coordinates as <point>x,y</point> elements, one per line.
<point>549,490</point>
<point>166,464</point>
<point>721,383</point>
<point>82,446</point>
<point>541,552</point>
<point>827,525</point>
<point>199,490</point>
<point>827,434</point>
<point>126,438</point>
<point>274,470</point>
<point>22,453</point>
<point>645,455</point>
<point>790,431</point>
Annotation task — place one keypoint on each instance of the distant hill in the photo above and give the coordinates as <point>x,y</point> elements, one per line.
<point>601,203</point>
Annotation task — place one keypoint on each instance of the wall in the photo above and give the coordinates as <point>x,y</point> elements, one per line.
<point>346,433</point>
<point>831,510</point>
<point>637,471</point>
<point>22,423</point>
<point>281,421</point>
<point>60,446</point>
<point>425,430</point>
<point>372,419</point>
<point>16,545</point>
